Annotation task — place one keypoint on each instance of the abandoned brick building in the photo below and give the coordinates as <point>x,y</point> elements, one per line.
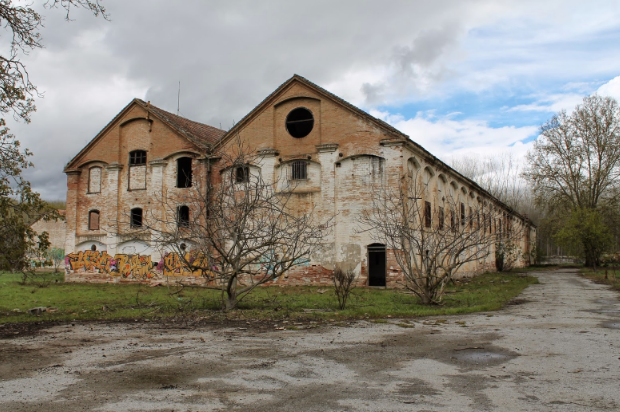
<point>332,149</point>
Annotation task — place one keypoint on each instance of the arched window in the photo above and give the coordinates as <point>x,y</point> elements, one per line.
<point>94,179</point>
<point>183,216</point>
<point>93,220</point>
<point>136,217</point>
<point>184,172</point>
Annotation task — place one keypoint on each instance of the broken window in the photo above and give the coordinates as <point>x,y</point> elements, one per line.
<point>299,170</point>
<point>137,158</point>
<point>184,172</point>
<point>428,218</point>
<point>299,122</point>
<point>94,180</point>
<point>242,174</point>
<point>136,217</point>
<point>183,216</point>
<point>93,220</point>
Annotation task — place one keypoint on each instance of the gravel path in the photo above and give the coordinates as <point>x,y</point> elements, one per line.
<point>557,349</point>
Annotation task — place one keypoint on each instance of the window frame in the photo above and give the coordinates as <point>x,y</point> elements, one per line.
<point>299,170</point>
<point>89,181</point>
<point>188,181</point>
<point>183,222</point>
<point>90,213</point>
<point>132,217</point>
<point>135,160</point>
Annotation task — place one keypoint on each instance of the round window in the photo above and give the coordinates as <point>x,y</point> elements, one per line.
<point>299,122</point>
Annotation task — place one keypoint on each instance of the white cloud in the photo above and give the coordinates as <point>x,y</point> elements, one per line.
<point>446,138</point>
<point>611,88</point>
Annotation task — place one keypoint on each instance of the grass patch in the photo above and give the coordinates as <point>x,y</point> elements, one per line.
<point>612,279</point>
<point>74,301</point>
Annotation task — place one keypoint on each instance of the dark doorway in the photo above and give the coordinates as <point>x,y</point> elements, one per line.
<point>376,264</point>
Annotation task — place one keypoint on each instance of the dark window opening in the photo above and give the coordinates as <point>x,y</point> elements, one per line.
<point>93,220</point>
<point>441,217</point>
<point>428,218</point>
<point>183,216</point>
<point>462,213</point>
<point>184,172</point>
<point>137,158</point>
<point>453,220</point>
<point>299,122</point>
<point>242,174</point>
<point>136,217</point>
<point>471,218</point>
<point>299,170</point>
<point>93,248</point>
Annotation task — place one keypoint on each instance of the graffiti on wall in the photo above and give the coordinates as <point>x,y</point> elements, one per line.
<point>137,267</point>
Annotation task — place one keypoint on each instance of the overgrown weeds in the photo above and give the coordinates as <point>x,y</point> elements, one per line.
<point>69,301</point>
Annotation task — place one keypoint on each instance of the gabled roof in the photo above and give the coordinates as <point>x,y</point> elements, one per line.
<point>199,133</point>
<point>321,91</point>
<point>202,135</point>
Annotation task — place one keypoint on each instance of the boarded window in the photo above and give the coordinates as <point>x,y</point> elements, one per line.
<point>299,170</point>
<point>428,218</point>
<point>137,170</point>
<point>93,220</point>
<point>441,217</point>
<point>136,217</point>
<point>242,174</point>
<point>299,122</point>
<point>183,216</point>
<point>94,180</point>
<point>184,172</point>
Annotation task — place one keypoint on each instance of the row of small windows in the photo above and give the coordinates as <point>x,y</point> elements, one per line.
<point>485,223</point>
<point>136,218</point>
<point>138,158</point>
<point>298,171</point>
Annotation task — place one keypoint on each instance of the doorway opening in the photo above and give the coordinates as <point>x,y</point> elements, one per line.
<point>376,265</point>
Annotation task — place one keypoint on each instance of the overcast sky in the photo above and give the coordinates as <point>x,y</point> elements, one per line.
<point>459,77</point>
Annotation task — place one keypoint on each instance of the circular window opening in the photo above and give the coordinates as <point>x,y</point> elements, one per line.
<point>299,122</point>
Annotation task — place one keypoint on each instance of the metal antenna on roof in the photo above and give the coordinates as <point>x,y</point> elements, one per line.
<point>179,98</point>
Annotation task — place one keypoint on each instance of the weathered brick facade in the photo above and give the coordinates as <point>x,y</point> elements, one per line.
<point>345,152</point>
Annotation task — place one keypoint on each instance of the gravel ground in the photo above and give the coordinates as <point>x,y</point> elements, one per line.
<point>557,348</point>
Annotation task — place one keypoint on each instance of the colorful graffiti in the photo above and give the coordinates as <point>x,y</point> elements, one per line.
<point>138,267</point>
<point>88,261</point>
<point>173,265</point>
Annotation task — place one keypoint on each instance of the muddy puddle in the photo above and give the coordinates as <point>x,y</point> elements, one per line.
<point>482,356</point>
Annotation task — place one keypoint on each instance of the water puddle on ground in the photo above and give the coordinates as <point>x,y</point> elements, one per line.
<point>481,356</point>
<point>606,311</point>
<point>611,325</point>
<point>607,302</point>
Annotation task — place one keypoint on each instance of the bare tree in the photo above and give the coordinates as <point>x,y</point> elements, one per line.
<point>241,232</point>
<point>575,163</point>
<point>343,284</point>
<point>432,239</point>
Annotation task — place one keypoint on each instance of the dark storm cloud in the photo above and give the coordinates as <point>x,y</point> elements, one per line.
<point>229,55</point>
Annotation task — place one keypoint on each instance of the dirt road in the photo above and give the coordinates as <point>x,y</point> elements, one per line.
<point>557,350</point>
